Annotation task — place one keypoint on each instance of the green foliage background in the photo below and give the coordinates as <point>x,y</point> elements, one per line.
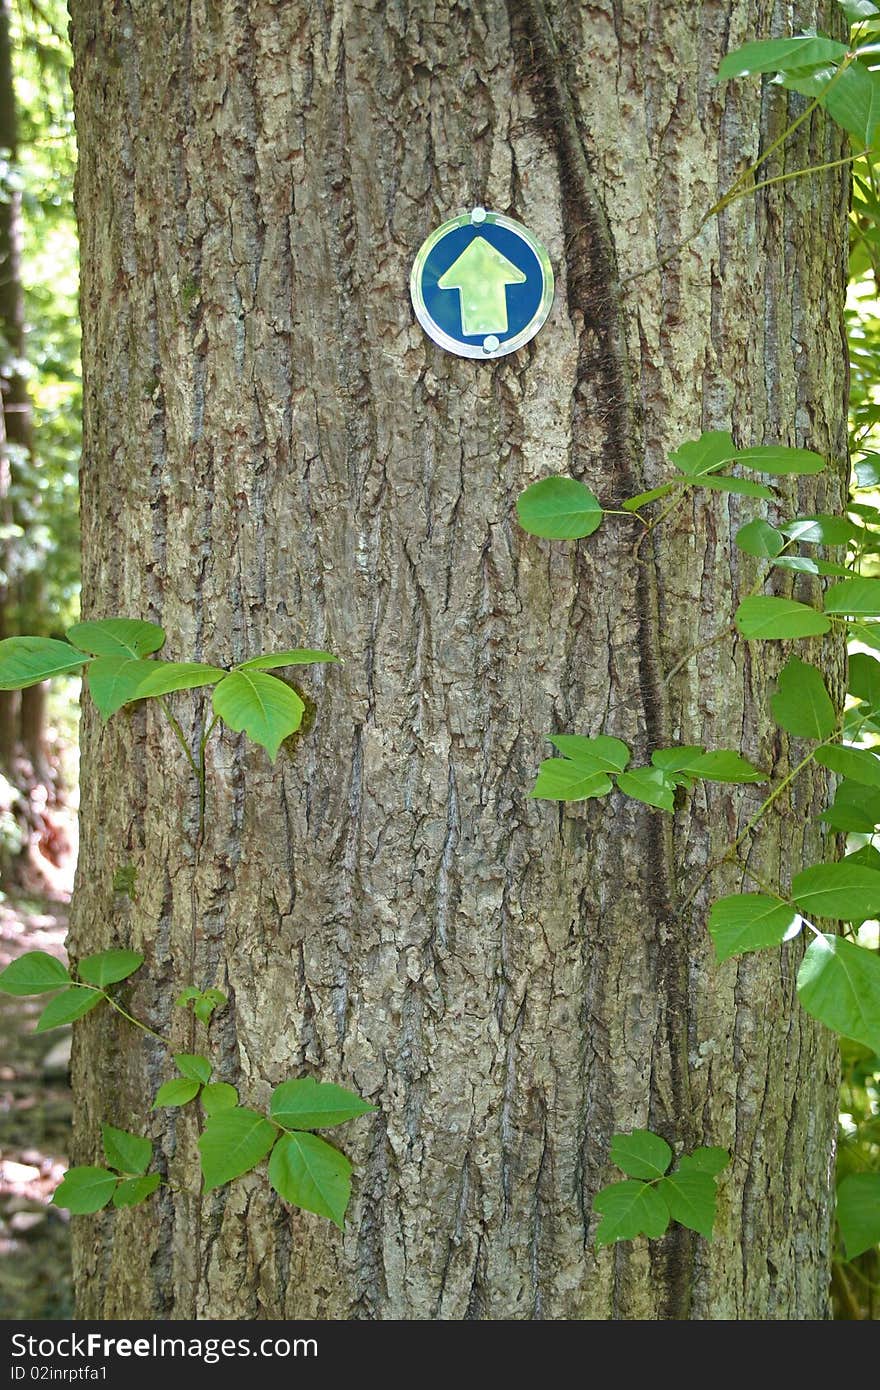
<point>45,536</point>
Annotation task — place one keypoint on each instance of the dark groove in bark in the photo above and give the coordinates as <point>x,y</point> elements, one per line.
<point>593,291</point>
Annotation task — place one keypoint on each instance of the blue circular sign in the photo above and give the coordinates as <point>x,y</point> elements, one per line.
<point>481,285</point>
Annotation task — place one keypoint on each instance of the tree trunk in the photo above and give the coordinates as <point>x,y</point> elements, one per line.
<point>275,453</point>
<point>33,731</point>
<point>16,425</point>
<point>21,717</point>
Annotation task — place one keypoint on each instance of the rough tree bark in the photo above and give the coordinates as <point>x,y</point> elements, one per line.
<point>275,453</point>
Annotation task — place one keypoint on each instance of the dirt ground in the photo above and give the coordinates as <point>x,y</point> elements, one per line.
<point>35,1100</point>
<point>35,1111</point>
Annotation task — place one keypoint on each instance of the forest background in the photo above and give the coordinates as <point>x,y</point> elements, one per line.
<point>39,594</point>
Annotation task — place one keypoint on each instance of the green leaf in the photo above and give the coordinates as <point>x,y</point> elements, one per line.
<point>560,779</point>
<point>802,564</point>
<point>745,487</point>
<point>233,1142</point>
<point>298,656</point>
<point>650,785</point>
<point>856,10</point>
<point>310,1104</point>
<point>697,457</point>
<point>108,967</point>
<point>263,706</point>
<point>117,637</point>
<point>858,764</point>
<point>164,677</point>
<point>35,972</point>
<point>635,504</point>
<point>750,922</point>
<point>821,529</point>
<point>68,1006</point>
<point>724,765</point>
<point>864,679</point>
<point>206,1003</point>
<point>854,809</point>
<point>127,1153</point>
<point>764,617</point>
<point>86,1190</point>
<point>690,1196</point>
<point>309,1173</point>
<point>780,55</point>
<point>219,1095</point>
<point>802,705</point>
<point>760,538</point>
<point>641,1154</point>
<point>132,1191</point>
<point>179,1090</point>
<point>777,459</point>
<point>26,661</point>
<point>114,681</point>
<point>677,759</point>
<point>868,634</point>
<point>601,754</point>
<point>193,1066</point>
<point>854,102</point>
<point>558,509</point>
<point>860,597</point>
<point>846,891</point>
<point>839,984</point>
<point>629,1209</point>
<point>705,1160</point>
<point>866,855</point>
<point>868,471</point>
<point>858,1212</point>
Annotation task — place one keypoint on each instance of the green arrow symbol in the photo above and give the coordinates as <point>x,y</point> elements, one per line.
<point>481,275</point>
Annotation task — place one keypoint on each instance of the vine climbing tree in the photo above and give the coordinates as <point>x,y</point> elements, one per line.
<point>276,455</point>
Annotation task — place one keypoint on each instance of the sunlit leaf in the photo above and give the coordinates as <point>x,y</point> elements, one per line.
<point>600,754</point>
<point>650,785</point>
<point>108,967</point>
<point>764,617</point>
<point>71,1004</point>
<point>132,1191</point>
<point>127,1153</point>
<point>35,972</point>
<point>309,1104</point>
<point>780,55</point>
<point>309,1173</point>
<point>298,656</point>
<point>266,709</point>
<point>560,779</point>
<point>846,891</point>
<point>558,509</point>
<point>641,1154</point>
<point>85,1190</point>
<point>839,984</point>
<point>233,1142</point>
<point>750,922</point>
<point>26,661</point>
<point>117,637</point>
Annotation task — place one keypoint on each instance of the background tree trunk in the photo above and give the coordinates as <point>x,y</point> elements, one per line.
<point>275,453</point>
<point>17,425</point>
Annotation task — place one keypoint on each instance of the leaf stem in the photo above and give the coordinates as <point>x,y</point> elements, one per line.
<point>114,1004</point>
<point>179,734</point>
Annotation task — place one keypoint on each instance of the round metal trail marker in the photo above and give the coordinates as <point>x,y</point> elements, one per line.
<point>481,285</point>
